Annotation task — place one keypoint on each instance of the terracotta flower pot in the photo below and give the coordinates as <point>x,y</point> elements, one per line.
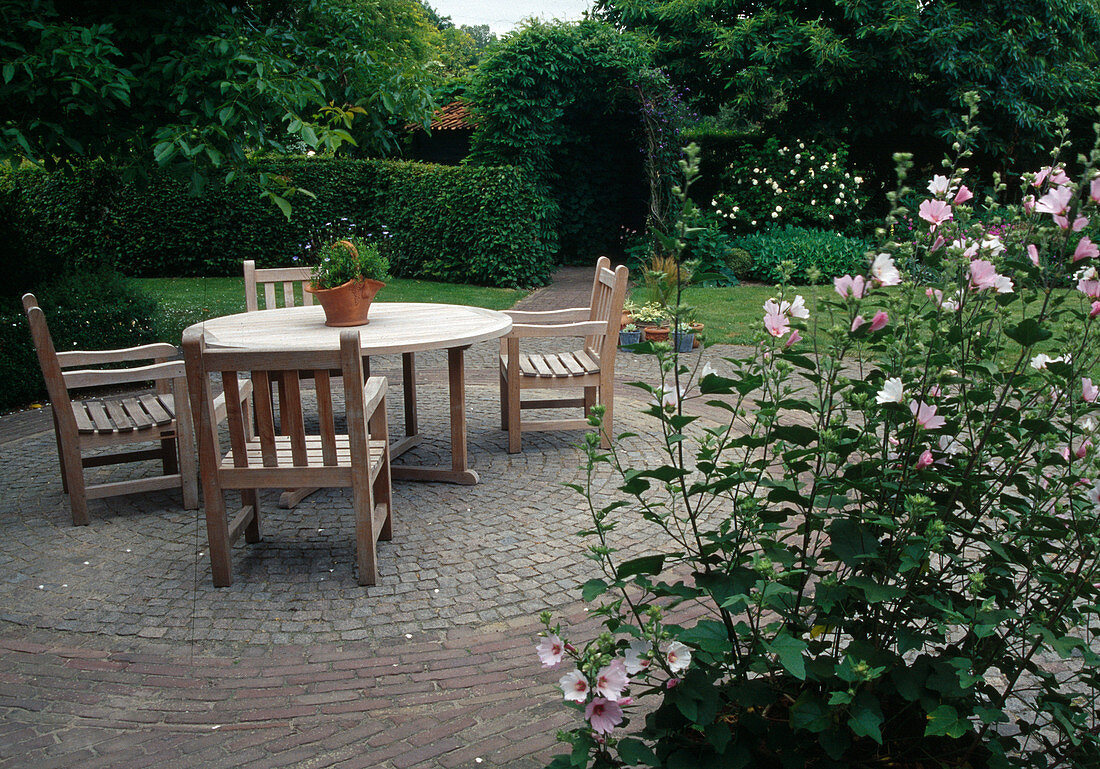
<point>349,303</point>
<point>656,333</point>
<point>697,329</point>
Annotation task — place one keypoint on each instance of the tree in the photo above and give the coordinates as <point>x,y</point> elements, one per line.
<point>199,85</point>
<point>884,72</point>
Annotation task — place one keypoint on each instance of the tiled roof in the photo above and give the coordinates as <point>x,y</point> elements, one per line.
<point>452,117</point>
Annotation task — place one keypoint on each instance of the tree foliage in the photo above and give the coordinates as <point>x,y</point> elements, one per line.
<point>562,101</point>
<point>882,69</point>
<point>200,84</point>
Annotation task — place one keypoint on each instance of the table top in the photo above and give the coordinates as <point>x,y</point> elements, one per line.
<point>394,327</point>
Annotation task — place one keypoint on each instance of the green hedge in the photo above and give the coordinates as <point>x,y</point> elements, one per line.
<point>482,225</point>
<point>91,311</point>
<point>830,253</point>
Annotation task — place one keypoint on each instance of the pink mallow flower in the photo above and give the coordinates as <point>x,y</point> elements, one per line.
<point>983,275</point>
<point>604,715</point>
<point>1095,310</point>
<point>1078,224</point>
<point>1090,288</point>
<point>1033,254</point>
<point>935,212</point>
<point>611,681</point>
<point>859,321</point>
<point>574,686</point>
<point>1085,249</point>
<point>925,460</point>
<point>880,320</point>
<point>963,195</point>
<point>1089,391</point>
<point>848,286</point>
<point>1094,190</point>
<point>776,324</point>
<point>550,650</point>
<point>794,338</point>
<point>926,415</point>
<point>1055,202</point>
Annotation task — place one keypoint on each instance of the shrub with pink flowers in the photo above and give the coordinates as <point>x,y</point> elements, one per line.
<point>889,552</point>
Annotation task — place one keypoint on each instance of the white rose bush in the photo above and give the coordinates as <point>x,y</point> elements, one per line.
<point>888,553</point>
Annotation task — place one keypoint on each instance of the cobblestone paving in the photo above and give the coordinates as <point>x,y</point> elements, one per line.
<point>116,651</point>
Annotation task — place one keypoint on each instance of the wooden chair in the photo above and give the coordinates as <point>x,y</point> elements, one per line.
<point>360,459</point>
<point>80,425</point>
<point>592,367</point>
<point>268,280</point>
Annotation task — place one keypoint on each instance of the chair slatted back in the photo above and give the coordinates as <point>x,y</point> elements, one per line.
<point>608,296</point>
<point>290,447</point>
<point>293,281</point>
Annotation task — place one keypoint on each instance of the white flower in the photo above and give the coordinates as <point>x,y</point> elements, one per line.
<point>707,369</point>
<point>1040,361</point>
<point>550,651</point>
<point>775,214</point>
<point>940,185</point>
<point>637,656</point>
<point>797,308</point>
<point>678,656</point>
<point>994,245</point>
<point>1003,284</point>
<point>574,686</point>
<point>885,271</point>
<point>893,391</point>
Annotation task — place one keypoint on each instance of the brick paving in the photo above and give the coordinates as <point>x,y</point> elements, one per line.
<point>116,651</point>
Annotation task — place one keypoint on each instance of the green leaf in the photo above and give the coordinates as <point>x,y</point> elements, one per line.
<point>945,720</point>
<point>593,588</point>
<point>647,564</point>
<point>1028,332</point>
<point>789,650</point>
<point>9,72</point>
<point>810,713</point>
<point>634,752</point>
<point>865,717</point>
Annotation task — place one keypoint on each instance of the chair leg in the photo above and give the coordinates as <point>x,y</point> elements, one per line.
<point>503,401</point>
<point>251,497</point>
<point>168,456</point>
<point>60,457</point>
<point>589,400</point>
<point>515,434</point>
<point>217,534</point>
<point>74,482</point>
<point>607,397</point>
<point>364,535</point>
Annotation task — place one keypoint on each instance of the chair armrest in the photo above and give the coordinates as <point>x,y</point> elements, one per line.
<point>160,350</point>
<point>559,316</point>
<point>98,377</point>
<point>587,328</point>
<point>374,394</point>
<point>244,391</point>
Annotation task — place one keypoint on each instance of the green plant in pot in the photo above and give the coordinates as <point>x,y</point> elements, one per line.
<point>887,554</point>
<point>629,334</point>
<point>682,336</point>
<point>345,279</point>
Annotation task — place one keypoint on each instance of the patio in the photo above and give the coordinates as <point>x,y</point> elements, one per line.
<point>117,651</point>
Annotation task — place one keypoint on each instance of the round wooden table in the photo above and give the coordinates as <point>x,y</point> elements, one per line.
<point>394,327</point>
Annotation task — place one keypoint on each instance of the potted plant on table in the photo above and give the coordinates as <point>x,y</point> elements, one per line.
<point>346,278</point>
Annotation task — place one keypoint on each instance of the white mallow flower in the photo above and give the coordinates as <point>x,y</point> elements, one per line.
<point>678,656</point>
<point>940,185</point>
<point>797,308</point>
<point>1003,284</point>
<point>1086,273</point>
<point>707,369</point>
<point>893,391</point>
<point>637,657</point>
<point>574,686</point>
<point>885,271</point>
<point>994,245</point>
<point>1040,361</point>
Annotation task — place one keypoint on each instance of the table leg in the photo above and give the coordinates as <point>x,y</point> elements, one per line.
<point>460,472</point>
<point>408,384</point>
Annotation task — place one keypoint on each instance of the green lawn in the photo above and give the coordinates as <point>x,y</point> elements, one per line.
<point>732,315</point>
<point>184,301</point>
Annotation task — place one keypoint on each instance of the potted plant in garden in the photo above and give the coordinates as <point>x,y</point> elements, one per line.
<point>652,319</point>
<point>345,279</point>
<point>629,334</point>
<point>889,553</point>
<point>682,337</point>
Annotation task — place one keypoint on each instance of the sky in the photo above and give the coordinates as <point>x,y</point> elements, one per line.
<point>503,15</point>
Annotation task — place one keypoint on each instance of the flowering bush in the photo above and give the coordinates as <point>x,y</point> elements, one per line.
<point>804,185</point>
<point>892,544</point>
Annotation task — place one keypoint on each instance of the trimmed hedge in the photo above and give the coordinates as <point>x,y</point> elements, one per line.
<point>831,253</point>
<point>91,311</point>
<point>482,225</point>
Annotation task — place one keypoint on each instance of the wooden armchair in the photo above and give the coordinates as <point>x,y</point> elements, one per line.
<point>80,425</point>
<point>268,279</point>
<point>360,459</point>
<point>592,367</point>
